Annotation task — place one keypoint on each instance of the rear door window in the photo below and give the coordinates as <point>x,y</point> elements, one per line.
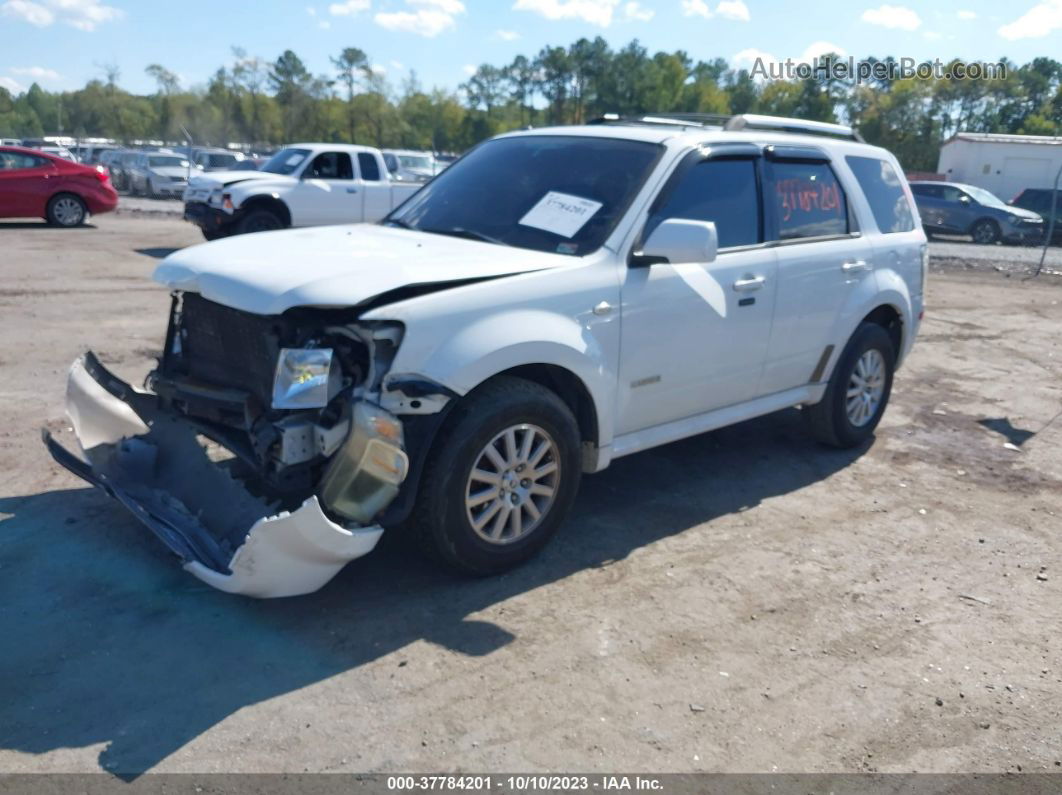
<point>16,161</point>
<point>884,191</point>
<point>808,201</point>
<point>370,169</point>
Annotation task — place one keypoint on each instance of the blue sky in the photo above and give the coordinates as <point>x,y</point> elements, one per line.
<point>62,43</point>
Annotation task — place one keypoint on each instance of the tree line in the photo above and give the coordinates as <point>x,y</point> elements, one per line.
<point>265,103</point>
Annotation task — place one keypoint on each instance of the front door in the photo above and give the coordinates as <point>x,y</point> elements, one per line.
<point>327,193</point>
<point>695,335</point>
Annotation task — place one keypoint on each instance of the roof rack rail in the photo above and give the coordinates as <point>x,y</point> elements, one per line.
<point>752,121</point>
<point>673,119</point>
<point>745,121</point>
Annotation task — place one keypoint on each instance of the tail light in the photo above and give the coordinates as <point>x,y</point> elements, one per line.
<point>102,174</point>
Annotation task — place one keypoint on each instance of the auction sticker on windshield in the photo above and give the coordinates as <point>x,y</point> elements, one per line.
<point>561,213</point>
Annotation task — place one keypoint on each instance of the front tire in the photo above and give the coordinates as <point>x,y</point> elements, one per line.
<point>500,478</point>
<point>66,210</point>
<point>985,232</point>
<point>259,221</point>
<point>858,390</point>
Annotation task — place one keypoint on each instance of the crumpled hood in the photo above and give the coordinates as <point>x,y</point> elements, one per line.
<point>216,179</point>
<point>336,266</point>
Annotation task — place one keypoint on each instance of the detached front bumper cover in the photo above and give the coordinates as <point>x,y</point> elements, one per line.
<point>152,463</point>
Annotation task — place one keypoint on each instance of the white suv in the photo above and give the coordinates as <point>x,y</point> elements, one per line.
<point>556,299</point>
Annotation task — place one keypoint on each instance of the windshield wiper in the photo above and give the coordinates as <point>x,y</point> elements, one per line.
<point>467,234</point>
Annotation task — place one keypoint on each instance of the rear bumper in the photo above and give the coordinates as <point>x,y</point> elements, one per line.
<point>151,462</point>
<point>102,201</point>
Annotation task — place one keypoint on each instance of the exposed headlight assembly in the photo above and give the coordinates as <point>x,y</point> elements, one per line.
<point>304,379</point>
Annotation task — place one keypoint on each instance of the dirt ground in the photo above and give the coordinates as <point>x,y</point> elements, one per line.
<point>741,601</point>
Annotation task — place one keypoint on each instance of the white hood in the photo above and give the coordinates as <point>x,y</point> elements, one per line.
<point>216,179</point>
<point>336,266</point>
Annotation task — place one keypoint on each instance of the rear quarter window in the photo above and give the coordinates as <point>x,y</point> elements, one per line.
<point>884,191</point>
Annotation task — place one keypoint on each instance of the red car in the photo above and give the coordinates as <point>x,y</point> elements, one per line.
<point>38,185</point>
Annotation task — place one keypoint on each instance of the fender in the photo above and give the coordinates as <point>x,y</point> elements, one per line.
<point>520,336</point>
<point>882,287</point>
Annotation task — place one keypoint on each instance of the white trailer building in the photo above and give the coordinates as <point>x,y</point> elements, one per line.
<point>1000,163</point>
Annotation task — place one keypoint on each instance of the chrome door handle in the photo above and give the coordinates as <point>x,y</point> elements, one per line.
<point>603,308</point>
<point>857,265</point>
<point>749,284</point>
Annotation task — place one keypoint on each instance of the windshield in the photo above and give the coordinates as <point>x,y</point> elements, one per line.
<point>285,161</point>
<point>561,194</point>
<point>159,162</point>
<point>984,197</point>
<point>415,161</point>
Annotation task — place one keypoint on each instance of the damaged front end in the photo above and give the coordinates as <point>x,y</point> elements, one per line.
<point>259,455</point>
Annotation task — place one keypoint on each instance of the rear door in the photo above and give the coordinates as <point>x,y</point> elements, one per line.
<point>26,182</point>
<point>375,186</point>
<point>822,257</point>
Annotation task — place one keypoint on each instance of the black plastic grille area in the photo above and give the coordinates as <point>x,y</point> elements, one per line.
<point>227,347</point>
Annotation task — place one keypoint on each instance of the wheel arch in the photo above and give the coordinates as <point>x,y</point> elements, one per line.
<point>270,202</point>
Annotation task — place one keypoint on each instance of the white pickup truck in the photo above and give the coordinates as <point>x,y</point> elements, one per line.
<point>555,300</point>
<point>301,185</point>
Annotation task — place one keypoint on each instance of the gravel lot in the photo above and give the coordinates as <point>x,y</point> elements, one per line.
<point>740,601</point>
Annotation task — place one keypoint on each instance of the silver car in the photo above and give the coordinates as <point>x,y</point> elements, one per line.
<point>159,174</point>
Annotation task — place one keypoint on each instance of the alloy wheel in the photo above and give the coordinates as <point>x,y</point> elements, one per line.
<point>866,386</point>
<point>513,484</point>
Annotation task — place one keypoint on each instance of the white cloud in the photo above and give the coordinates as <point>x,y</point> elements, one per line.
<point>967,14</point>
<point>11,85</point>
<point>695,8</point>
<point>634,11</point>
<point>733,9</point>
<point>429,19</point>
<point>34,13</point>
<point>36,72</point>
<point>324,24</point>
<point>311,11</point>
<point>81,14</point>
<point>887,16</point>
<point>747,58</point>
<point>398,65</point>
<point>819,48</point>
<point>507,35</point>
<point>378,69</point>
<point>593,12</point>
<point>468,69</point>
<point>84,14</point>
<point>932,35</point>
<point>1040,20</point>
<point>348,8</point>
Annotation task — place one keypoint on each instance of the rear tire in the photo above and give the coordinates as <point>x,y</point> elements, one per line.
<point>259,221</point>
<point>66,210</point>
<point>858,390</point>
<point>214,234</point>
<point>484,504</point>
